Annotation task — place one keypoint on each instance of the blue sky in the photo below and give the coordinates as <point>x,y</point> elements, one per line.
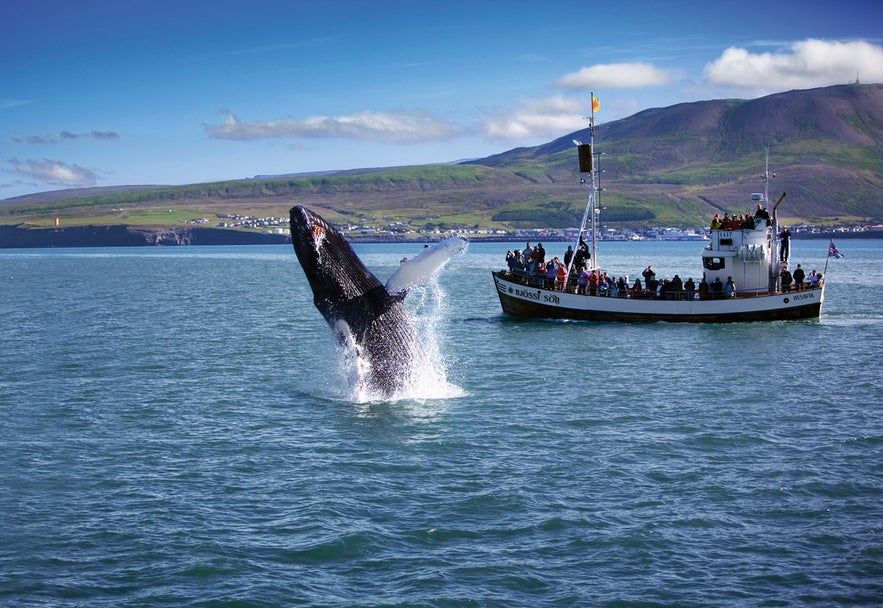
<point>112,92</point>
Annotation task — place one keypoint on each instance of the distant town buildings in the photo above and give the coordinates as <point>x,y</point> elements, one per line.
<point>274,225</point>
<point>431,226</point>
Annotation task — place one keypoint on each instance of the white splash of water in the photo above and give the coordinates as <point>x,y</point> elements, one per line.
<point>427,375</point>
<point>348,383</point>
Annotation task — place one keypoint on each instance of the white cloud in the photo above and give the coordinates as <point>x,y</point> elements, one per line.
<point>12,103</point>
<point>550,117</point>
<point>54,172</point>
<point>65,136</point>
<point>810,63</point>
<point>615,76</point>
<point>394,127</point>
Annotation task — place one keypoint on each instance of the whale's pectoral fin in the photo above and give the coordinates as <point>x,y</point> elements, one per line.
<point>422,267</point>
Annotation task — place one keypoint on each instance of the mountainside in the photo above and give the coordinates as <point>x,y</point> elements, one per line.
<point>677,165</point>
<point>707,156</point>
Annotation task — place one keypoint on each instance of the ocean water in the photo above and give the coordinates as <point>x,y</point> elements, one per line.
<point>175,430</point>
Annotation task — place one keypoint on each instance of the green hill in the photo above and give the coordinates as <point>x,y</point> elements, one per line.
<point>675,166</point>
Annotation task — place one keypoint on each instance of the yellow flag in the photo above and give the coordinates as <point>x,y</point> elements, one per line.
<point>596,104</point>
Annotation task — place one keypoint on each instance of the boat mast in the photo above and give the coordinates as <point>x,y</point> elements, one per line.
<point>774,265</point>
<point>766,176</point>
<point>587,165</point>
<point>593,183</point>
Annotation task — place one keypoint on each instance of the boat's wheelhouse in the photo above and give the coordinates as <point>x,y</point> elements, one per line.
<point>741,253</point>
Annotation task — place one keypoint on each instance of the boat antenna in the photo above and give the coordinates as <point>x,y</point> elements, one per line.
<point>766,176</point>
<point>774,264</point>
<point>587,165</point>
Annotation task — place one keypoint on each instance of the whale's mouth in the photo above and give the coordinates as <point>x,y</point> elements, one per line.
<point>318,233</point>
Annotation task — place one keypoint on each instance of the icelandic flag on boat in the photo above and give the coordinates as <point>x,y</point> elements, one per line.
<point>832,251</point>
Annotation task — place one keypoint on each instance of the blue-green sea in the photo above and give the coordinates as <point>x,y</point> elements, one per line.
<point>176,431</point>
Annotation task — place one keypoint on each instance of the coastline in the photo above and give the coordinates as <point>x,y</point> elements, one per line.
<point>18,237</point>
<point>15,237</point>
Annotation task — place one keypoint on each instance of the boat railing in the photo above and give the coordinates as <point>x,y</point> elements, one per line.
<point>734,225</point>
<point>540,282</point>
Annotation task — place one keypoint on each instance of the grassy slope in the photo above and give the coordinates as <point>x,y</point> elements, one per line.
<point>672,166</point>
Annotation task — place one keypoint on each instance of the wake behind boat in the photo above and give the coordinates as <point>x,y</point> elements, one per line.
<point>745,274</point>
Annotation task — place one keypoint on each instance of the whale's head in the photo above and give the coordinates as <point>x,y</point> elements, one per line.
<point>309,235</point>
<point>335,273</point>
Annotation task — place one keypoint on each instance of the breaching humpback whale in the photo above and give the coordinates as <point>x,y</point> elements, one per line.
<point>359,308</point>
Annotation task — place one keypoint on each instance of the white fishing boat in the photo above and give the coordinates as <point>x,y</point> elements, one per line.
<point>745,275</point>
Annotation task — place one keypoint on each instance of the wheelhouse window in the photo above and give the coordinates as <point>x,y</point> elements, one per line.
<point>713,263</point>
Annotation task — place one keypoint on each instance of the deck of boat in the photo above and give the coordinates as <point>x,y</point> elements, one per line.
<point>524,297</point>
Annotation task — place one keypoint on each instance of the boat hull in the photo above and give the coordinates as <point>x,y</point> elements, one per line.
<point>532,302</point>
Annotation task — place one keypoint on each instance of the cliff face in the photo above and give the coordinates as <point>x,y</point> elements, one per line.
<point>124,236</point>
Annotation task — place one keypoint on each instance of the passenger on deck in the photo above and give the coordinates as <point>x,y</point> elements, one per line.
<point>677,287</point>
<point>611,285</point>
<point>582,281</point>
<point>637,289</point>
<point>786,279</point>
<point>622,286</point>
<point>517,265</point>
<point>716,288</point>
<point>561,278</point>
<point>527,258</point>
<point>748,223</point>
<point>603,285</point>
<point>551,273</point>
<point>568,255</point>
<point>703,289</point>
<point>689,288</point>
<point>531,270</point>
<point>799,275</point>
<point>539,253</point>
<point>813,279</point>
<point>648,275</point>
<point>761,214</point>
<point>716,222</point>
<point>653,286</point>
<point>784,248</point>
<point>582,254</point>
<point>730,288</point>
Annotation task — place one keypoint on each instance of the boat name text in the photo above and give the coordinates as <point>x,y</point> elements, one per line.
<point>522,293</point>
<point>537,295</point>
<point>804,296</point>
